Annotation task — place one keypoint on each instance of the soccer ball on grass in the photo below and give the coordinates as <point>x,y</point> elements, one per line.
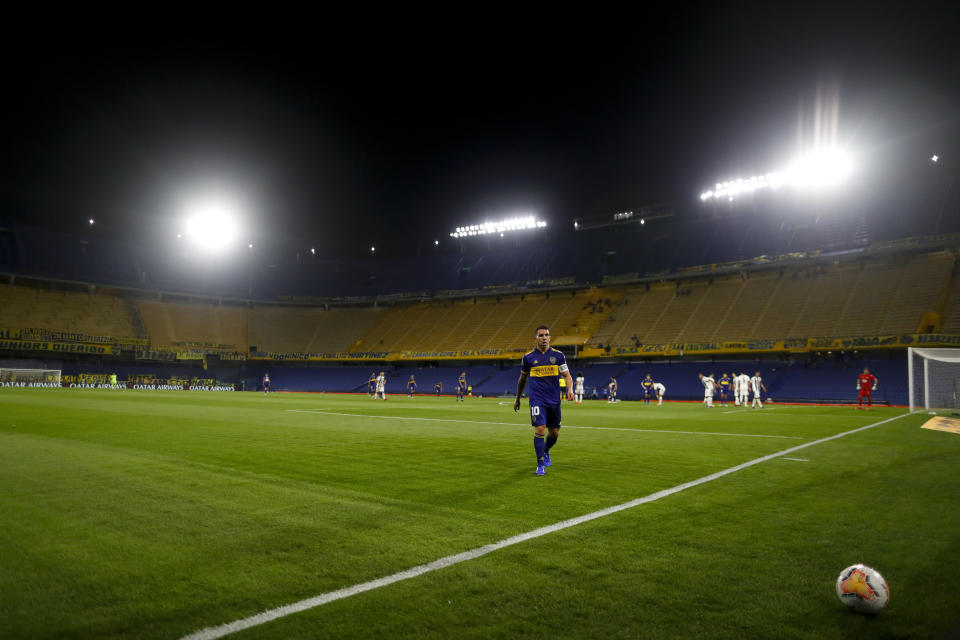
<point>863,589</point>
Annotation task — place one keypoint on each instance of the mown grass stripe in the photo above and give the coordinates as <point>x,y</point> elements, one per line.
<point>211,633</point>
<point>515,424</point>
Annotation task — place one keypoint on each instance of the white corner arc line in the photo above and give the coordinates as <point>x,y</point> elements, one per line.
<point>211,633</point>
<point>566,426</point>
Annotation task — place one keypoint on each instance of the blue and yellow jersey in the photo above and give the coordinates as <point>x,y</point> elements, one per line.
<point>462,381</point>
<point>544,369</point>
<point>411,383</point>
<point>438,387</point>
<point>724,384</point>
<point>647,384</point>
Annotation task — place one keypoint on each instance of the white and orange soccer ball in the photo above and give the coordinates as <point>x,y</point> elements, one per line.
<point>863,589</point>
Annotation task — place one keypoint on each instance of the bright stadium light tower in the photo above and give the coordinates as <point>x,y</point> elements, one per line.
<point>212,223</point>
<point>821,169</point>
<point>519,223</point>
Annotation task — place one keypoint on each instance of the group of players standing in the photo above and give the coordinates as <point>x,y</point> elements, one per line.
<point>741,384</point>
<point>377,386</point>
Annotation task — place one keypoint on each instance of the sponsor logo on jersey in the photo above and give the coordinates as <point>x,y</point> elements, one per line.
<point>544,371</point>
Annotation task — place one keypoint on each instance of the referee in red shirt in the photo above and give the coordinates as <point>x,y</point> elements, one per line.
<point>866,384</point>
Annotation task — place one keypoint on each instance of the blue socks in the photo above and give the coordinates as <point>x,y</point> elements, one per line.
<point>551,440</point>
<point>540,446</point>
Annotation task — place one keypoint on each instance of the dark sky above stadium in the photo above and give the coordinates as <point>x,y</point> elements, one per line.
<point>343,134</point>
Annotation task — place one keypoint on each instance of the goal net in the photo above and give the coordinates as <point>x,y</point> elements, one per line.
<point>26,376</point>
<point>934,379</point>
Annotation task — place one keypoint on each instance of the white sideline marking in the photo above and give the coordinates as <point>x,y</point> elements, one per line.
<point>798,459</point>
<point>514,424</point>
<point>210,633</point>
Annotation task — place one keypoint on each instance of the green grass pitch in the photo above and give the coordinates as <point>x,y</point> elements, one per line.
<point>154,515</point>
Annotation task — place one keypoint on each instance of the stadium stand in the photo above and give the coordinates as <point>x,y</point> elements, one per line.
<point>638,311</point>
<point>825,298</point>
<point>951,310</point>
<point>918,288</point>
<point>480,323</point>
<point>747,304</point>
<point>92,314</point>
<point>171,323</point>
<point>308,330</point>
<point>270,328</point>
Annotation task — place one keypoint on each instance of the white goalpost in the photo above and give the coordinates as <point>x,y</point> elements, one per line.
<point>30,376</point>
<point>934,379</point>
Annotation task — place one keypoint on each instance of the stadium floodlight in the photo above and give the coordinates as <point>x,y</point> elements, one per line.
<point>510,224</point>
<point>934,158</point>
<point>436,243</point>
<point>313,251</point>
<point>821,168</point>
<point>212,224</point>
<point>90,221</point>
<point>372,249</point>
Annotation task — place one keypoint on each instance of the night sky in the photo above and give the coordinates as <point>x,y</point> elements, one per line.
<point>345,136</point>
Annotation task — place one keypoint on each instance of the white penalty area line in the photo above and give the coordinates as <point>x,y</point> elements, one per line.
<point>514,424</point>
<point>210,633</point>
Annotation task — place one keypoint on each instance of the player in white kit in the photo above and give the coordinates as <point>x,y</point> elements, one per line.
<point>660,390</point>
<point>744,389</point>
<point>708,384</point>
<point>736,389</point>
<point>381,387</point>
<point>578,389</point>
<point>756,382</point>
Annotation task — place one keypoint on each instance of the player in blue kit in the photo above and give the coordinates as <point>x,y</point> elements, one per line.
<point>543,367</point>
<point>438,388</point>
<point>462,386</point>
<point>411,386</point>
<point>725,384</point>
<point>372,384</point>
<point>647,386</point>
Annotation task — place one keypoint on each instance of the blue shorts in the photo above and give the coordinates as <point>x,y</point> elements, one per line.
<point>542,413</point>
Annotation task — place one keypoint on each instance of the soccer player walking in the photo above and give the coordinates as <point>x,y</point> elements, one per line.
<point>381,386</point>
<point>266,383</point>
<point>543,367</point>
<point>462,386</point>
<point>744,388</point>
<point>757,383</point>
<point>612,390</point>
<point>411,386</point>
<point>866,384</point>
<point>578,389</point>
